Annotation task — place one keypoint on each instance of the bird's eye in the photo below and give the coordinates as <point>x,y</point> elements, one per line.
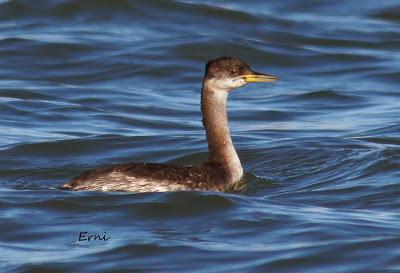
<point>233,71</point>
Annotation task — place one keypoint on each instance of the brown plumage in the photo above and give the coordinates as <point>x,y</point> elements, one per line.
<point>140,177</point>
<point>222,170</point>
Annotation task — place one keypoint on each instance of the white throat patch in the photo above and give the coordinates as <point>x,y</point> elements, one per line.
<point>225,84</point>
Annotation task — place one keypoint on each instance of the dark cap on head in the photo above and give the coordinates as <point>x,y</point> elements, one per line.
<point>226,66</point>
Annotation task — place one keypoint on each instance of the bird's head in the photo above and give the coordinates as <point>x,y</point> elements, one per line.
<point>227,73</point>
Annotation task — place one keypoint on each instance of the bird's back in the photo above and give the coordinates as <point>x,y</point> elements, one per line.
<point>151,177</point>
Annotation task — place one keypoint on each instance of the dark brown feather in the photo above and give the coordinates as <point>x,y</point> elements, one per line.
<point>143,177</point>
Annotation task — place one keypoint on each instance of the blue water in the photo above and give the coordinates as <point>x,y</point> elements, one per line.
<point>86,83</point>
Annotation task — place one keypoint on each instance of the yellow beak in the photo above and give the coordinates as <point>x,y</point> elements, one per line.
<point>259,77</point>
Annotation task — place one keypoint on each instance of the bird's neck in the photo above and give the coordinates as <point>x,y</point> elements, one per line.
<point>215,121</point>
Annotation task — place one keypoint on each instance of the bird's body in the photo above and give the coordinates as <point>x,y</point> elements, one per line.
<point>222,170</point>
<point>152,177</point>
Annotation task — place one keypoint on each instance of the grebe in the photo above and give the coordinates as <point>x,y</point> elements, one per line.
<point>220,172</point>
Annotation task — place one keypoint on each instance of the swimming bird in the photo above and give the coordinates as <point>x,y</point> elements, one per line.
<point>220,172</point>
